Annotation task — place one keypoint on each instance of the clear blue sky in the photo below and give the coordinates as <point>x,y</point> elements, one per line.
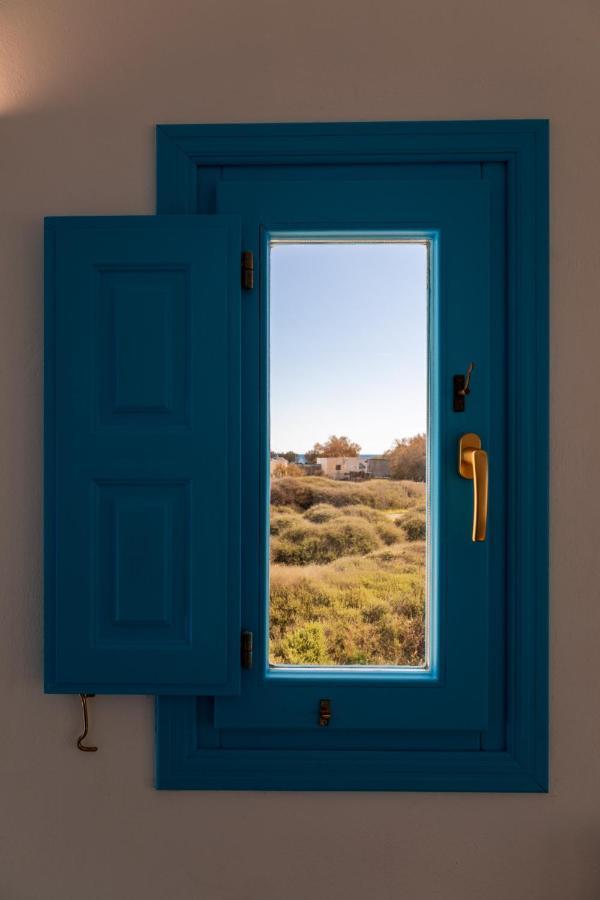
<point>348,343</point>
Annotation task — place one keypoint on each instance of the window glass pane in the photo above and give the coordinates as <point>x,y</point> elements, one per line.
<point>348,420</point>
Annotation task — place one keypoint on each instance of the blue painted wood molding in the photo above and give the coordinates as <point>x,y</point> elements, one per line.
<point>522,147</point>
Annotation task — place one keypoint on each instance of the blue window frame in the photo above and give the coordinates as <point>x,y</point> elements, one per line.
<point>452,691</point>
<point>475,718</point>
<point>208,168</point>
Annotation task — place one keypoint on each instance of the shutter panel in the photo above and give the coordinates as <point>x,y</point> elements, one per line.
<point>142,456</point>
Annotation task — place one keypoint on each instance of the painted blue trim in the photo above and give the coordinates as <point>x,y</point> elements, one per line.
<point>521,146</point>
<point>181,149</point>
<point>460,211</point>
<point>359,675</point>
<point>182,766</point>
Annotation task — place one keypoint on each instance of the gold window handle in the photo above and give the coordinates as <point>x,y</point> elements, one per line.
<point>473,464</point>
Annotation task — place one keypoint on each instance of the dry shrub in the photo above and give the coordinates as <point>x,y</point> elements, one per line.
<point>322,512</point>
<point>347,581</point>
<point>303,493</point>
<point>414,528</point>
<point>369,609</point>
<point>305,543</point>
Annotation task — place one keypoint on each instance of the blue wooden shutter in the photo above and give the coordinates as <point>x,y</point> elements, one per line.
<point>142,481</point>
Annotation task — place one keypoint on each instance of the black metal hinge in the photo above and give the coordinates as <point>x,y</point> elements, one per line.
<point>246,647</point>
<point>247,270</point>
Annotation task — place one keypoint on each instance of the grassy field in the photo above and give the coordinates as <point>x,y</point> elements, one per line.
<point>347,572</point>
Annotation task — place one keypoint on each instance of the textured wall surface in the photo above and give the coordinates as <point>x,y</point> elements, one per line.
<point>82,84</point>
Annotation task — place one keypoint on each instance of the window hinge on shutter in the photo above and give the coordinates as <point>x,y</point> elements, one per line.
<point>247,270</point>
<point>246,649</point>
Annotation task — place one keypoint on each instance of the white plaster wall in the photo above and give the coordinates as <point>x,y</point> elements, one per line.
<point>82,83</point>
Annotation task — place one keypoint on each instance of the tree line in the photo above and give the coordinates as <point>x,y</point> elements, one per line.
<point>407,456</point>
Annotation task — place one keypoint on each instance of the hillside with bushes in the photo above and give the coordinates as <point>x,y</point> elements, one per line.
<point>347,572</point>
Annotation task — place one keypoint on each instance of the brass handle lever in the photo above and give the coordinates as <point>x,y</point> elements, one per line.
<point>473,465</point>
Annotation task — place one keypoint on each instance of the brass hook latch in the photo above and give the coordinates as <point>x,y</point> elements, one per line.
<point>80,745</point>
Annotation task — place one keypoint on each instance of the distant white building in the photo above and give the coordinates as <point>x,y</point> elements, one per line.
<point>343,468</point>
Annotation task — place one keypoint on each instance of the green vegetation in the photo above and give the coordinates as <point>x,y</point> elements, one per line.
<point>347,572</point>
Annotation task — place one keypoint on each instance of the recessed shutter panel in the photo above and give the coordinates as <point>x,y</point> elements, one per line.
<point>142,456</point>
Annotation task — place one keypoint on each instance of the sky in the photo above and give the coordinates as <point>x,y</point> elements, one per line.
<point>348,343</point>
